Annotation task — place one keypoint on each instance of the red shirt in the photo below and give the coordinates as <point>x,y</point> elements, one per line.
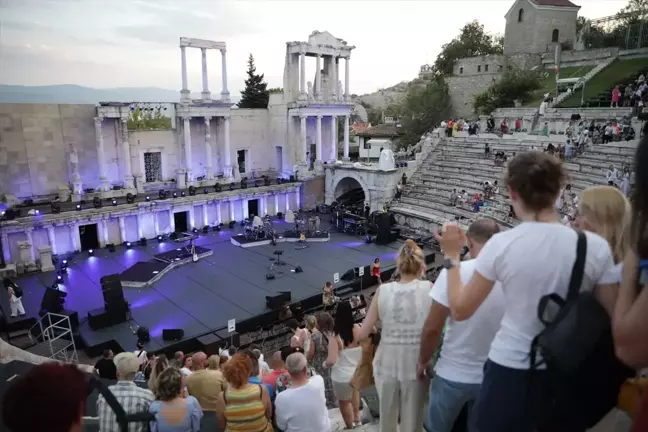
<point>271,378</point>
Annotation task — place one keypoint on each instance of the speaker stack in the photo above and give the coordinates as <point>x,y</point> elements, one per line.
<point>115,309</point>
<point>53,301</point>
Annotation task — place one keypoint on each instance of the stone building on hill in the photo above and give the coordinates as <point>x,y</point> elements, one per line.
<point>533,28</point>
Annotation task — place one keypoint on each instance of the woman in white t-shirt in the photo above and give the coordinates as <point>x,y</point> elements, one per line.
<point>530,261</point>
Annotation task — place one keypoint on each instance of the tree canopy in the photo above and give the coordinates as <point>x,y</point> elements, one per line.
<point>423,108</point>
<point>472,41</point>
<point>624,33</point>
<point>255,94</point>
<point>515,84</point>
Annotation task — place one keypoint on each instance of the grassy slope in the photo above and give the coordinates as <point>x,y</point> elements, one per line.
<point>605,80</point>
<point>549,83</point>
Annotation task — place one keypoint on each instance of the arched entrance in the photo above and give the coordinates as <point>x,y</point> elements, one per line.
<point>349,192</point>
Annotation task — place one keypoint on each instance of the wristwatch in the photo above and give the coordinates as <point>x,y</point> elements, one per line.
<point>450,263</point>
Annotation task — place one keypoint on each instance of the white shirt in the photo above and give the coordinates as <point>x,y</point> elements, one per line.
<point>185,371</point>
<point>466,343</point>
<point>530,261</point>
<point>141,356</point>
<point>303,409</point>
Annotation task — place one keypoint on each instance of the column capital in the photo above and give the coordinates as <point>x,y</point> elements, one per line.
<point>347,116</point>
<point>226,117</point>
<point>186,117</point>
<point>319,116</point>
<point>208,119</point>
<point>223,51</point>
<point>303,116</point>
<point>203,50</point>
<point>334,116</point>
<point>98,119</point>
<point>124,119</point>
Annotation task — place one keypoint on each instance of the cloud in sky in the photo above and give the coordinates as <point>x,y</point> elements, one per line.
<point>122,43</point>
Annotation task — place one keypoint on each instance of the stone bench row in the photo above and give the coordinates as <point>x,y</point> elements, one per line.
<point>439,215</point>
<point>443,196</point>
<point>442,203</point>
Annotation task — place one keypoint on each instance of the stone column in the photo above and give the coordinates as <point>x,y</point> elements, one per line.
<point>77,185</point>
<point>76,239</point>
<point>346,137</point>
<point>318,138</point>
<point>191,218</point>
<point>219,217</point>
<point>204,211</point>
<point>231,205</point>
<point>298,198</point>
<point>209,172</point>
<point>347,94</point>
<point>206,95</point>
<point>276,203</point>
<point>128,174</point>
<point>287,195</point>
<point>156,223</point>
<point>304,142</point>
<point>122,229</point>
<point>51,238</point>
<point>225,94</point>
<point>302,77</point>
<point>334,79</point>
<point>140,233</point>
<point>30,240</point>
<point>171,222</point>
<point>186,129</point>
<point>185,95</point>
<point>337,78</point>
<point>318,79</point>
<point>6,253</point>
<point>101,157</point>
<point>228,151</point>
<point>334,140</point>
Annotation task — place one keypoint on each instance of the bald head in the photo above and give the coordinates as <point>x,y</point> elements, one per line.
<point>479,232</point>
<point>199,360</point>
<point>276,362</point>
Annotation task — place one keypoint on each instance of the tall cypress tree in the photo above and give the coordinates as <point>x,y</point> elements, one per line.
<point>256,94</point>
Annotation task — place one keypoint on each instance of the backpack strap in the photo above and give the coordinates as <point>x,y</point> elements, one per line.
<point>579,268</point>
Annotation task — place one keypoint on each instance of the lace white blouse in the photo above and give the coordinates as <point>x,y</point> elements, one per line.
<point>402,310</point>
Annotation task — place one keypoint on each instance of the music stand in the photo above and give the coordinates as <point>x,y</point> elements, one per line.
<point>278,262</point>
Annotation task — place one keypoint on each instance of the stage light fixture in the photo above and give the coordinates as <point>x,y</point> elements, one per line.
<point>162,194</point>
<point>160,240</point>
<point>217,187</point>
<point>78,206</point>
<point>231,186</point>
<point>55,205</point>
<point>90,252</point>
<point>205,191</point>
<point>256,183</point>
<point>218,227</point>
<point>278,180</point>
<point>59,278</point>
<point>266,181</point>
<point>148,198</point>
<point>114,202</point>
<point>175,194</point>
<point>231,224</point>
<point>195,230</point>
<point>130,198</point>
<point>298,269</point>
<point>37,211</point>
<point>55,285</point>
<point>111,247</point>
<point>142,241</point>
<point>64,263</point>
<point>96,202</point>
<point>183,194</point>
<point>205,229</point>
<point>128,245</point>
<point>244,183</point>
<point>192,191</point>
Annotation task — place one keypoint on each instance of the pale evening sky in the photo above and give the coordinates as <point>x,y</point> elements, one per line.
<point>134,43</point>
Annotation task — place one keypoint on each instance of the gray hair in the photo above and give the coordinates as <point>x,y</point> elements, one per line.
<point>482,230</point>
<point>296,363</point>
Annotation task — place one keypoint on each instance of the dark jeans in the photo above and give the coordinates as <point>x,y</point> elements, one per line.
<point>510,400</point>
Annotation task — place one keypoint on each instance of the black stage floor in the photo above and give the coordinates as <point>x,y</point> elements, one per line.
<point>202,296</point>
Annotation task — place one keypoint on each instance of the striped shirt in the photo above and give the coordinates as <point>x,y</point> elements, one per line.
<point>244,410</point>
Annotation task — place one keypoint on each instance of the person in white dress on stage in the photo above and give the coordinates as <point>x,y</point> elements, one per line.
<point>15,297</point>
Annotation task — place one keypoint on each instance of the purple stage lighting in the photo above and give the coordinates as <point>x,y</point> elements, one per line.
<point>59,278</point>
<point>78,206</point>
<point>148,198</point>
<point>128,244</point>
<point>114,202</point>
<point>37,211</point>
<point>91,252</point>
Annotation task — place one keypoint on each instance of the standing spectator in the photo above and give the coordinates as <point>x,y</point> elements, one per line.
<point>105,366</point>
<point>300,335</point>
<point>15,297</point>
<point>186,365</point>
<point>140,353</point>
<point>508,400</point>
<point>131,397</point>
<point>277,369</point>
<point>50,397</point>
<point>174,413</point>
<point>302,407</point>
<point>213,362</point>
<point>254,378</point>
<point>401,308</point>
<point>404,179</point>
<point>324,327</point>
<point>245,407</point>
<point>627,96</point>
<point>161,363</point>
<point>616,94</point>
<point>343,358</point>
<point>206,385</point>
<point>178,358</point>
<point>375,270</point>
<point>486,151</point>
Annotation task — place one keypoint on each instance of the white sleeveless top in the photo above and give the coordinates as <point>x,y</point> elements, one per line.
<point>402,310</point>
<point>345,366</point>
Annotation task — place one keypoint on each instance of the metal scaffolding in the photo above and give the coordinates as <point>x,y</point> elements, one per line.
<point>56,340</point>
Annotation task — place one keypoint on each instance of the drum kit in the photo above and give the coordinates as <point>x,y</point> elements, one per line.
<point>260,232</point>
<point>309,225</point>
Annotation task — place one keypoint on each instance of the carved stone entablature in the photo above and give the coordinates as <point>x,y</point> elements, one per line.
<point>95,215</point>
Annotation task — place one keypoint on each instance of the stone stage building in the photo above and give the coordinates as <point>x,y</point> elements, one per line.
<point>79,152</point>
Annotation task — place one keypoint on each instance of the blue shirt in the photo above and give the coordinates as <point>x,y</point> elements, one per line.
<point>256,380</point>
<point>191,422</point>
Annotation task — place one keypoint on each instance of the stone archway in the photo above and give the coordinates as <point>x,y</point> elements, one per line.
<point>347,182</point>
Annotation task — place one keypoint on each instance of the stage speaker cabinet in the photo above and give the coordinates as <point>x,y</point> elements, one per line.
<point>113,294</point>
<point>275,302</point>
<point>99,319</point>
<point>384,229</point>
<point>172,334</point>
<point>53,300</point>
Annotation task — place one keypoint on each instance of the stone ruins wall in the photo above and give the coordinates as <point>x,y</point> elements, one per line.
<point>580,58</point>
<point>471,76</point>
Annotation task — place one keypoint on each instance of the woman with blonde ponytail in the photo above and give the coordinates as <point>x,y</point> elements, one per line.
<point>401,307</point>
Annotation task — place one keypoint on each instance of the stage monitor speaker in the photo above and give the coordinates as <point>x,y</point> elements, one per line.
<point>172,334</point>
<point>275,302</point>
<point>98,319</point>
<point>53,300</point>
<point>113,294</point>
<point>350,274</point>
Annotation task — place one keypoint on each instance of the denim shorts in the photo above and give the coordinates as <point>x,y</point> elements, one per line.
<point>447,399</point>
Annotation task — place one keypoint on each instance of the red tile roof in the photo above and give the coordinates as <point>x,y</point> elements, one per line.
<point>381,130</point>
<point>559,3</point>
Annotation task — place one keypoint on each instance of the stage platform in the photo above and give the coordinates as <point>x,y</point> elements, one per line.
<point>199,297</point>
<point>288,236</point>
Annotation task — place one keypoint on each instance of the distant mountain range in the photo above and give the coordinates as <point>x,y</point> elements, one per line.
<point>74,94</point>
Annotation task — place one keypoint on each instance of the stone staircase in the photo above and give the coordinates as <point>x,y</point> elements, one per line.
<point>583,80</point>
<point>459,163</point>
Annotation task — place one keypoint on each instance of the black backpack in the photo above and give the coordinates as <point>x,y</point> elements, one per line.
<point>18,292</point>
<point>577,346</point>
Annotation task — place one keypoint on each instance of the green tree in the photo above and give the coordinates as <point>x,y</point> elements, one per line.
<point>275,90</point>
<point>423,108</point>
<point>256,93</point>
<point>472,41</point>
<point>516,84</point>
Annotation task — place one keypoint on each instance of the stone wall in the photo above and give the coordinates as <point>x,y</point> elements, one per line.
<point>579,58</point>
<point>312,192</point>
<point>463,89</point>
<point>480,65</point>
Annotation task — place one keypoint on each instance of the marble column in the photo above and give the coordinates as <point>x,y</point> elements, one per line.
<point>334,140</point>
<point>287,196</point>
<point>104,224</point>
<point>204,215</point>
<point>186,129</point>
<point>51,238</point>
<point>128,174</point>
<point>276,203</point>
<point>219,217</point>
<point>246,213</point>
<point>191,220</point>
<point>185,95</point>
<point>156,223</point>
<point>6,252</point>
<point>228,151</point>
<point>337,78</point>
<point>122,229</point>
<point>77,185</point>
<point>262,206</point>
<point>298,199</point>
<point>76,239</point>
<point>225,94</point>
<point>231,205</point>
<point>304,142</point>
<point>30,240</point>
<point>206,95</point>
<point>318,138</point>
<point>334,79</point>
<point>101,156</point>
<point>346,137</point>
<point>347,94</point>
<point>140,233</point>
<point>302,77</point>
<point>318,79</point>
<point>171,222</point>
<point>209,171</point>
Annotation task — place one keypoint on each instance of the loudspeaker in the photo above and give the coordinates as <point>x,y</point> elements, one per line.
<point>143,334</point>
<point>270,276</point>
<point>53,300</point>
<point>99,318</point>
<point>275,302</point>
<point>172,334</point>
<point>113,295</point>
<point>349,275</point>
